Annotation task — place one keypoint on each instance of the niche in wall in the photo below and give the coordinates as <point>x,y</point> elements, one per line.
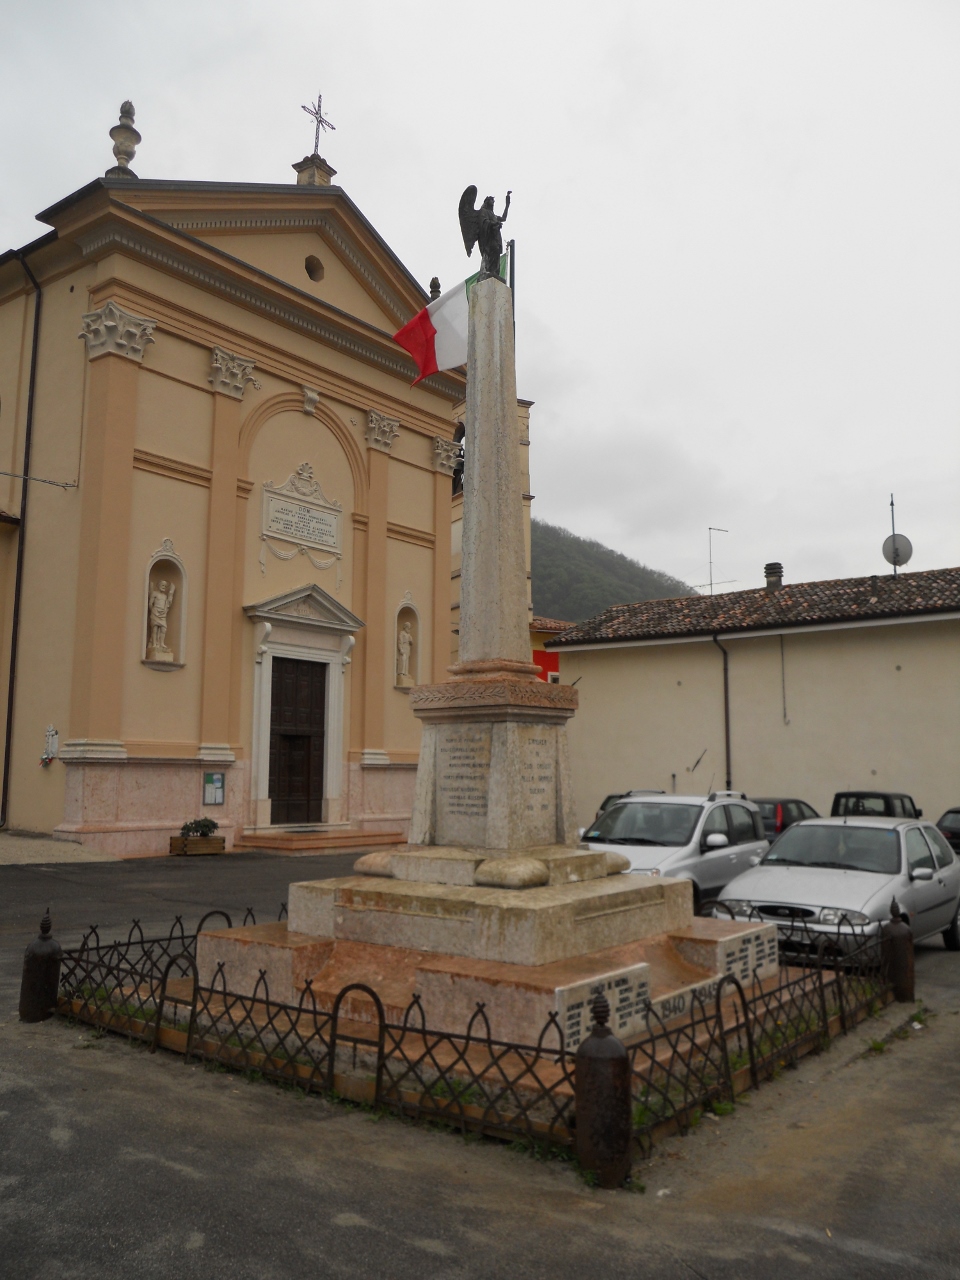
<point>406,647</point>
<point>164,610</point>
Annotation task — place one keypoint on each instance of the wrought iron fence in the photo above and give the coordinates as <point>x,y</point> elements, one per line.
<point>148,989</point>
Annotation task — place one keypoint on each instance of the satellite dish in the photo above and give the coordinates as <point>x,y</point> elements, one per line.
<point>897,549</point>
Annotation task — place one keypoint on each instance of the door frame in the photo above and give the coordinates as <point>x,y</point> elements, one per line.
<point>331,649</point>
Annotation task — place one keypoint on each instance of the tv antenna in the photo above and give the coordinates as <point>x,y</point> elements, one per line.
<point>711,530</point>
<point>897,548</point>
<point>316,113</point>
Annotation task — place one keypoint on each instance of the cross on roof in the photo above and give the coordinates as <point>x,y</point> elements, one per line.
<point>316,112</point>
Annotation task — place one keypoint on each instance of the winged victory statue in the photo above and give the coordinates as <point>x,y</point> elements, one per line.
<point>482,226</point>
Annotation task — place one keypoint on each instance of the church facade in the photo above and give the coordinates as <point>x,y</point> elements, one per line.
<point>233,558</point>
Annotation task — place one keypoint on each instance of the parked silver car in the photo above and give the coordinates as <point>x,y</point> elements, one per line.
<point>707,840</point>
<point>832,873</point>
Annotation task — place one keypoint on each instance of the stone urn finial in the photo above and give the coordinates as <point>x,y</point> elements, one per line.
<point>125,141</point>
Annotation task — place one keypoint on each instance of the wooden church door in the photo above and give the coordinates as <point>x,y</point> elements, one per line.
<point>297,709</point>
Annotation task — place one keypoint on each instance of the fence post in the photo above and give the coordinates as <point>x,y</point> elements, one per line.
<point>604,1131</point>
<point>897,953</point>
<point>41,975</point>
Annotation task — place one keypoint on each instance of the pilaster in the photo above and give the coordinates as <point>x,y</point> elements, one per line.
<point>381,433</point>
<point>116,341</point>
<point>229,376</point>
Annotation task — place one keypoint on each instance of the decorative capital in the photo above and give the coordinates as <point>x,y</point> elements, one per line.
<point>381,431</point>
<point>230,374</point>
<point>310,400</point>
<point>113,331</point>
<point>446,455</point>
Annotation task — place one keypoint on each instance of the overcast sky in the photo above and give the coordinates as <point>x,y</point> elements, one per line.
<point>738,228</point>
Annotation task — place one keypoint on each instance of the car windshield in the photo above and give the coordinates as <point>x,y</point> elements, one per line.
<point>847,848</point>
<point>950,821</point>
<point>646,822</point>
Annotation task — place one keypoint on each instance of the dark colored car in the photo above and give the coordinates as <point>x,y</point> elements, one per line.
<point>949,824</point>
<point>874,804</point>
<point>778,814</point>
<point>622,795</point>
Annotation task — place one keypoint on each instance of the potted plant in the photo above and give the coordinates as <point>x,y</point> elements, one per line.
<point>197,837</point>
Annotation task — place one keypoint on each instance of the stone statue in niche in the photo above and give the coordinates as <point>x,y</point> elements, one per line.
<point>404,652</point>
<point>159,605</point>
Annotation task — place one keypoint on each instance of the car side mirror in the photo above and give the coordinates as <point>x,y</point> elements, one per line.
<point>921,873</point>
<point>581,832</point>
<point>715,840</point>
<point>919,813</point>
<point>755,860</point>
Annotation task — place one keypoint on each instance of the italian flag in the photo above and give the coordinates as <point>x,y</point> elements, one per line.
<point>436,337</point>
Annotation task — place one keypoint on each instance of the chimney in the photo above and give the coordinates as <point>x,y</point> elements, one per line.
<point>313,171</point>
<point>773,572</point>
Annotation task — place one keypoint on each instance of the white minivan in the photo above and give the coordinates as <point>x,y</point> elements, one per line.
<point>708,840</point>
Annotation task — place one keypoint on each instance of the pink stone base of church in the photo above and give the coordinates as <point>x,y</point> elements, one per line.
<point>131,808</point>
<point>380,797</point>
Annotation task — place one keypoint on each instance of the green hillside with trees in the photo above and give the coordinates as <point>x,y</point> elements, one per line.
<point>575,578</point>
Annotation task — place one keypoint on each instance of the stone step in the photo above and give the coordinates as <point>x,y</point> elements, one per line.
<point>329,841</point>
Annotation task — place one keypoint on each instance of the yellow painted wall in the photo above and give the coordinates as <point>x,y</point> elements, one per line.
<point>855,719</point>
<point>48,601</point>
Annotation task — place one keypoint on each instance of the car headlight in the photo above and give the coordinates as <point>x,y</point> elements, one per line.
<point>739,907</point>
<point>639,871</point>
<point>837,915</point>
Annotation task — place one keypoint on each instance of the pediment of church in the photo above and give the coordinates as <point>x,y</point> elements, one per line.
<point>308,606</point>
<point>312,238</point>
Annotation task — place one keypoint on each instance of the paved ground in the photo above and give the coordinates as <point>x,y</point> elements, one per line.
<point>116,1163</point>
<point>16,849</point>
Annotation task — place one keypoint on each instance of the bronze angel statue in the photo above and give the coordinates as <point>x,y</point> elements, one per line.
<point>482,226</point>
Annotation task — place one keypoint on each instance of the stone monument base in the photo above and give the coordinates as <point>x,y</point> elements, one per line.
<point>665,972</point>
<point>493,768</point>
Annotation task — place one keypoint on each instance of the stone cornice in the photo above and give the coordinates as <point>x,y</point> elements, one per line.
<point>172,468</point>
<point>115,235</point>
<point>194,327</point>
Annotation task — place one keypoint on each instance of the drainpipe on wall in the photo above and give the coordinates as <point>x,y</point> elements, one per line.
<point>726,708</point>
<point>21,539</point>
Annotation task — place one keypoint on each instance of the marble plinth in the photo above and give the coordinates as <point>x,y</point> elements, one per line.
<point>528,926</point>
<point>494,771</point>
<point>653,974</point>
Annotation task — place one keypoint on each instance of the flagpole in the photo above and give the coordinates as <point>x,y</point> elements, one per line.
<point>512,246</point>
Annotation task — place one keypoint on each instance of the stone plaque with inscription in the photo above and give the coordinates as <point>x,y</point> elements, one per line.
<point>538,783</point>
<point>463,781</point>
<point>628,991</point>
<point>752,954</point>
<point>298,512</point>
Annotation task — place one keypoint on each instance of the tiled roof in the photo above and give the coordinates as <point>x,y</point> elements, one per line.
<point>801,604</point>
<point>548,624</point>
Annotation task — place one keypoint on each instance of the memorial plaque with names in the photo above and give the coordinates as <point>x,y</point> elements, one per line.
<point>753,954</point>
<point>628,991</point>
<point>463,779</point>
<point>538,783</point>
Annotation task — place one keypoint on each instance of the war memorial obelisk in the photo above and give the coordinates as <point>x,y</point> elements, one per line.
<point>491,901</point>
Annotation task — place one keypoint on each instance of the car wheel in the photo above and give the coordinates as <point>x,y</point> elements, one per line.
<point>951,936</point>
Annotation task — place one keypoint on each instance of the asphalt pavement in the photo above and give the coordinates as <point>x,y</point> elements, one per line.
<point>118,1163</point>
